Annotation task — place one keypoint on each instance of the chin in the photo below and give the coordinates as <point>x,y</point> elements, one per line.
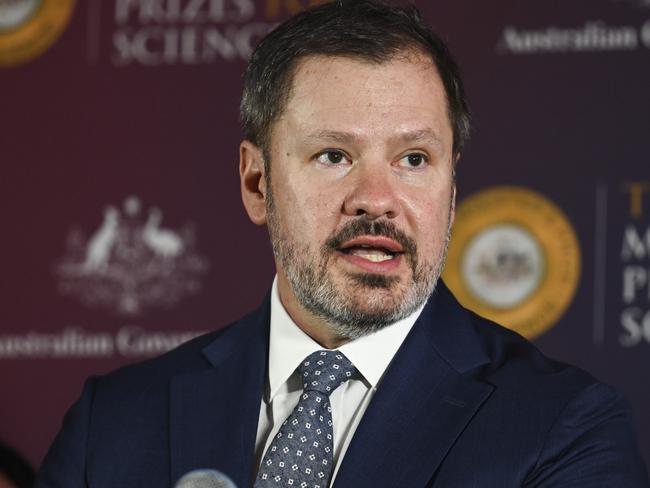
<point>375,281</point>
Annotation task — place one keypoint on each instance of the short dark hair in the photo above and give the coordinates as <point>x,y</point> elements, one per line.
<point>370,30</point>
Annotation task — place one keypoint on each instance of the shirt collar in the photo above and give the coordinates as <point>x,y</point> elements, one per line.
<point>289,345</point>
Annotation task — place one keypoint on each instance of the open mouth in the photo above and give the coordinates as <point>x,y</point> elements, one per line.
<point>376,249</point>
<point>373,254</point>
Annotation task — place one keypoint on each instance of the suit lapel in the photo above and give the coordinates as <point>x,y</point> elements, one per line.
<point>423,403</point>
<point>214,412</point>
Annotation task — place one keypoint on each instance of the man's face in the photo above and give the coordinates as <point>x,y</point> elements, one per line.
<point>360,195</point>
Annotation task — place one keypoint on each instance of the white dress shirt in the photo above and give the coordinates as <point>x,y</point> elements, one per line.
<point>289,346</point>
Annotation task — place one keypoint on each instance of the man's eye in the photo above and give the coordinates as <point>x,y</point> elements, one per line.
<point>414,160</point>
<point>331,157</point>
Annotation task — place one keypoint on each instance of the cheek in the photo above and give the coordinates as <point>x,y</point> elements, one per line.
<point>431,210</point>
<point>308,211</point>
<point>320,213</point>
<point>431,219</point>
<point>321,203</point>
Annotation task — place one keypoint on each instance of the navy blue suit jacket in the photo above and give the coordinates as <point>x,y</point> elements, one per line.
<point>465,403</point>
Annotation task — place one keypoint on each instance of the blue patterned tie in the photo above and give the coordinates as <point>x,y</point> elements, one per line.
<point>301,455</point>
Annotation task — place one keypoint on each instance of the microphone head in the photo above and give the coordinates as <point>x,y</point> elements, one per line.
<point>204,478</point>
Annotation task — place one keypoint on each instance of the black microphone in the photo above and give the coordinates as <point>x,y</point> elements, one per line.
<point>205,478</point>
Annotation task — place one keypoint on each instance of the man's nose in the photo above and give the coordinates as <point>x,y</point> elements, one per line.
<point>373,193</point>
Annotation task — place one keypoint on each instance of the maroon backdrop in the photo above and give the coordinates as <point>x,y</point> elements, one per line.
<point>122,231</point>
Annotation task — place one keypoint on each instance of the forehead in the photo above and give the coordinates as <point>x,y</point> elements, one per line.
<point>313,74</point>
<point>358,96</point>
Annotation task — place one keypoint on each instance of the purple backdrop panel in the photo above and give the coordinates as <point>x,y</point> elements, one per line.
<point>123,234</point>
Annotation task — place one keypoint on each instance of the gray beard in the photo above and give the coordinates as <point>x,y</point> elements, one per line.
<point>315,290</point>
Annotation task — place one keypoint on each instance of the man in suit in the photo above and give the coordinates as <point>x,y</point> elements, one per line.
<point>354,119</point>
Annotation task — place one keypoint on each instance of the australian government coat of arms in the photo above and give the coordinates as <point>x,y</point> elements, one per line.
<point>131,262</point>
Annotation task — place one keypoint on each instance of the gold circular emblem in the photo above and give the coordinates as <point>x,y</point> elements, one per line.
<point>513,258</point>
<point>29,27</point>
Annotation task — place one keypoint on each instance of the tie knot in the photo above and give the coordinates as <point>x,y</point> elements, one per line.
<point>324,371</point>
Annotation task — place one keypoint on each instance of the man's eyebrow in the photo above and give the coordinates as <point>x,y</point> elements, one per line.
<point>332,136</point>
<point>420,135</point>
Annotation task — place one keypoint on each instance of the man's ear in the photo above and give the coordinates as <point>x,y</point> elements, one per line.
<point>253,183</point>
<point>452,210</point>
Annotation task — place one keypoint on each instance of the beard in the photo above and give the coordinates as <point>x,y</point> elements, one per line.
<point>368,302</point>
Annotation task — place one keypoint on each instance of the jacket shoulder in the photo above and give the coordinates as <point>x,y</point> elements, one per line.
<point>556,423</point>
<point>515,358</point>
<point>187,358</point>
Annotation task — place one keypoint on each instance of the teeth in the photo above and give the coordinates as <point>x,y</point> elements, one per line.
<point>377,258</point>
<point>372,255</point>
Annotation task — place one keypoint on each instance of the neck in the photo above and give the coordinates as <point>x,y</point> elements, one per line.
<point>310,324</point>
